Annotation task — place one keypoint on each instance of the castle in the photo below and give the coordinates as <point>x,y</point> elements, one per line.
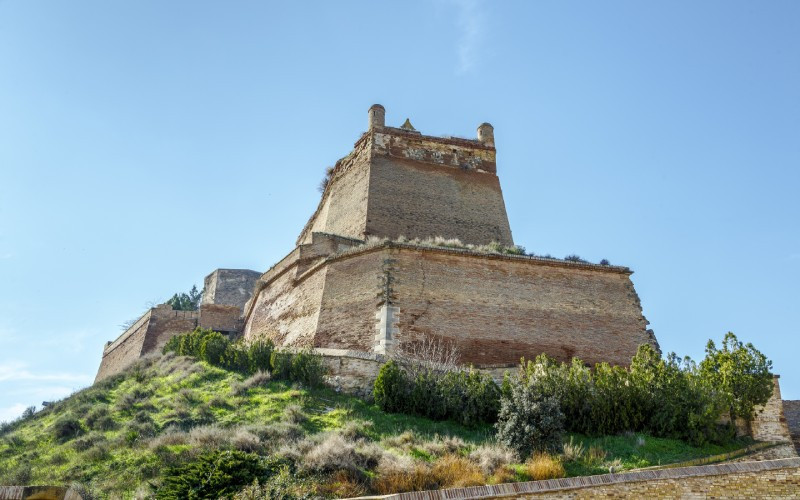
<point>411,240</point>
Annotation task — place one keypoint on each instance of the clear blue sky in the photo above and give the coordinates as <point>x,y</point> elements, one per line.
<point>145,143</point>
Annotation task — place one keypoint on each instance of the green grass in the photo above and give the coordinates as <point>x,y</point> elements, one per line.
<point>635,451</point>
<point>179,393</point>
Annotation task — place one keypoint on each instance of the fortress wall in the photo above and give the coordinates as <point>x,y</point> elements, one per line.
<point>343,208</point>
<point>230,287</point>
<point>350,302</point>
<point>286,310</point>
<point>220,318</point>
<point>125,349</point>
<point>419,200</point>
<point>495,308</point>
<point>498,310</point>
<point>147,335</point>
<point>165,324</point>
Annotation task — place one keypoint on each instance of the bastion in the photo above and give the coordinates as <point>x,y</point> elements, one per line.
<point>411,241</point>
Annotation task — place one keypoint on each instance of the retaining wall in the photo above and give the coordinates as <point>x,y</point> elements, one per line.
<point>743,480</point>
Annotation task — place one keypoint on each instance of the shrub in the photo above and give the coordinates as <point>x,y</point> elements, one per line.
<point>333,453</point>
<point>281,364</point>
<point>66,428</point>
<point>530,420</point>
<point>212,475</point>
<point>399,474</point>
<point>260,352</point>
<point>741,372</point>
<point>211,437</point>
<point>543,466</point>
<point>99,419</point>
<point>294,414</point>
<point>214,348</point>
<point>492,457</point>
<point>307,368</point>
<point>465,396</point>
<point>391,388</point>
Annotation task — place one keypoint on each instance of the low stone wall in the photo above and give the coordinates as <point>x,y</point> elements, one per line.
<point>38,493</point>
<point>791,411</point>
<point>769,479</point>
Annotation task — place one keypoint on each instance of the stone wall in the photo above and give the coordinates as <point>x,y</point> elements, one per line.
<point>791,411</point>
<point>229,287</point>
<point>38,493</point>
<point>770,424</point>
<point>745,480</point>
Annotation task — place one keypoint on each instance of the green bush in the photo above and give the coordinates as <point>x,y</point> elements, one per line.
<point>260,352</point>
<point>741,372</point>
<point>214,348</point>
<point>530,420</point>
<point>307,368</point>
<point>213,475</point>
<point>465,396</point>
<point>281,364</point>
<point>217,350</point>
<point>391,391</point>
<point>66,428</point>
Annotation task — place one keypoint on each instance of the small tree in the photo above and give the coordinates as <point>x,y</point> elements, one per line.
<point>186,301</point>
<point>741,373</point>
<point>391,388</point>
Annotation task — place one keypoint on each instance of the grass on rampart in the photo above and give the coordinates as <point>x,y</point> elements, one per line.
<point>120,436</point>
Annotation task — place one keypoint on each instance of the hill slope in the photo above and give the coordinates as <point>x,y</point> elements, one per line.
<point>131,436</point>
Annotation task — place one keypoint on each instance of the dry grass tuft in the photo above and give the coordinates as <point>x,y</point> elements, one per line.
<point>595,455</point>
<point>573,450</point>
<point>491,457</point>
<point>456,472</point>
<point>443,445</point>
<point>245,440</point>
<point>404,441</point>
<point>504,474</point>
<point>343,484</point>
<point>170,437</point>
<point>211,437</point>
<point>543,466</point>
<point>399,474</point>
<point>294,414</point>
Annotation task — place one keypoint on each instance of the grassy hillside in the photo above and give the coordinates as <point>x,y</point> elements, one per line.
<point>125,435</point>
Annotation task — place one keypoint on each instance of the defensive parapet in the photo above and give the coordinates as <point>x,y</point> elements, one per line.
<point>398,182</point>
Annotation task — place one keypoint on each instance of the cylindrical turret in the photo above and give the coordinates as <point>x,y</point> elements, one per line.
<point>486,134</point>
<point>377,116</point>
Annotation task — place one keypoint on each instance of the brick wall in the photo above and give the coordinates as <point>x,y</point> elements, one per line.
<point>230,287</point>
<point>496,308</point>
<point>400,183</point>
<point>791,411</point>
<point>125,349</point>
<point>147,335</point>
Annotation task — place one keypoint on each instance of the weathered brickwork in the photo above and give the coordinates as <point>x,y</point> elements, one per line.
<point>748,480</point>
<point>227,290</point>
<point>495,308</point>
<point>791,410</point>
<point>230,287</point>
<point>770,425</point>
<point>147,335</point>
<point>400,183</point>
